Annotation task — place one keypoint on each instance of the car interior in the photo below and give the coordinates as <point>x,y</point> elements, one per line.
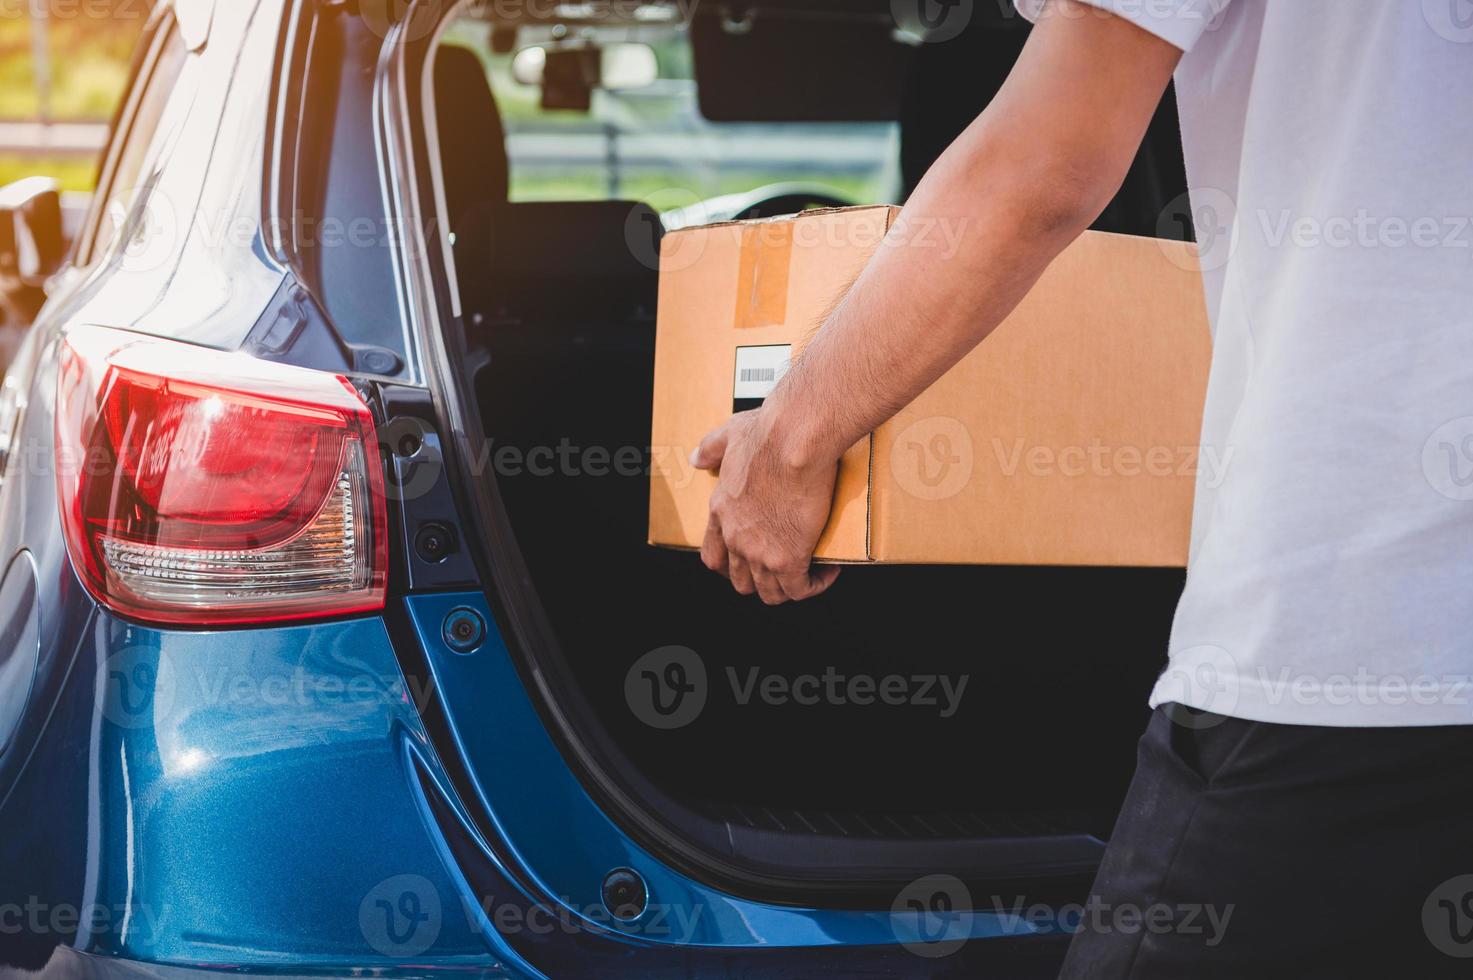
<point>558,305</point>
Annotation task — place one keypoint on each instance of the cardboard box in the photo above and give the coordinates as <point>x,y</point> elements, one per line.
<point>1068,437</point>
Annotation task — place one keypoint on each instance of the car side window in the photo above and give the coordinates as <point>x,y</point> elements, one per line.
<point>143,128</point>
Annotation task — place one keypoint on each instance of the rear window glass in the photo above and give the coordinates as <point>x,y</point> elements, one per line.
<point>651,143</point>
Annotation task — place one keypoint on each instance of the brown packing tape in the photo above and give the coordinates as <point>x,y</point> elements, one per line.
<point>762,276</point>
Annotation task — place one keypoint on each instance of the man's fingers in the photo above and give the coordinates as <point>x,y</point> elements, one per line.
<point>709,453</point>
<point>740,575</point>
<point>768,587</point>
<point>713,548</point>
<point>823,577</point>
<point>812,581</point>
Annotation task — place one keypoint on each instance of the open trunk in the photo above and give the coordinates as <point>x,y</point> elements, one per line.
<point>1017,773</point>
<point>1010,782</point>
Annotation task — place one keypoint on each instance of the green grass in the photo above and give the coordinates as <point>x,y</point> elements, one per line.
<point>78,174</point>
<point>90,55</point>
<point>73,173</point>
<point>665,191</point>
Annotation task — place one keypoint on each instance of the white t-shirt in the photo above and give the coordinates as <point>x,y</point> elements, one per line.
<point>1329,150</point>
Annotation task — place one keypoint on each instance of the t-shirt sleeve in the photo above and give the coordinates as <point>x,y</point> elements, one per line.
<point>1178,22</point>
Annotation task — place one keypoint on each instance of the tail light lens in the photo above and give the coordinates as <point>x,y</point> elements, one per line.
<point>208,488</point>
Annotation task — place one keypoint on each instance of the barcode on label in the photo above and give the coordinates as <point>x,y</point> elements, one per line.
<point>759,369</point>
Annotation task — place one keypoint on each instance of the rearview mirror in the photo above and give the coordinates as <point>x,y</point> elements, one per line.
<point>574,71</point>
<point>32,241</point>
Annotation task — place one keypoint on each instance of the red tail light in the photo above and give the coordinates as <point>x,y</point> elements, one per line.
<point>209,488</point>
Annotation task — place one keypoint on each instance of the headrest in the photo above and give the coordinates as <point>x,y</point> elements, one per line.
<point>472,140</point>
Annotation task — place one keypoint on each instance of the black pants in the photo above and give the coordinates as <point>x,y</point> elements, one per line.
<point>1252,850</point>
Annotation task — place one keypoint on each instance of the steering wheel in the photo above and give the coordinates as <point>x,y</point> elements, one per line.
<point>772,207</point>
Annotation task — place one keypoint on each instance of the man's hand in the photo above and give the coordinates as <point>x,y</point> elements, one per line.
<point>766,515</point>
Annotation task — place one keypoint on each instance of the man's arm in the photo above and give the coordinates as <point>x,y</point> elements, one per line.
<point>1021,183</point>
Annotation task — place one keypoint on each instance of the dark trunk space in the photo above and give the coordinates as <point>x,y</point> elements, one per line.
<point>1057,662</point>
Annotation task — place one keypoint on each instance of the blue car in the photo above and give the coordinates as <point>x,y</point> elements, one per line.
<point>330,639</point>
